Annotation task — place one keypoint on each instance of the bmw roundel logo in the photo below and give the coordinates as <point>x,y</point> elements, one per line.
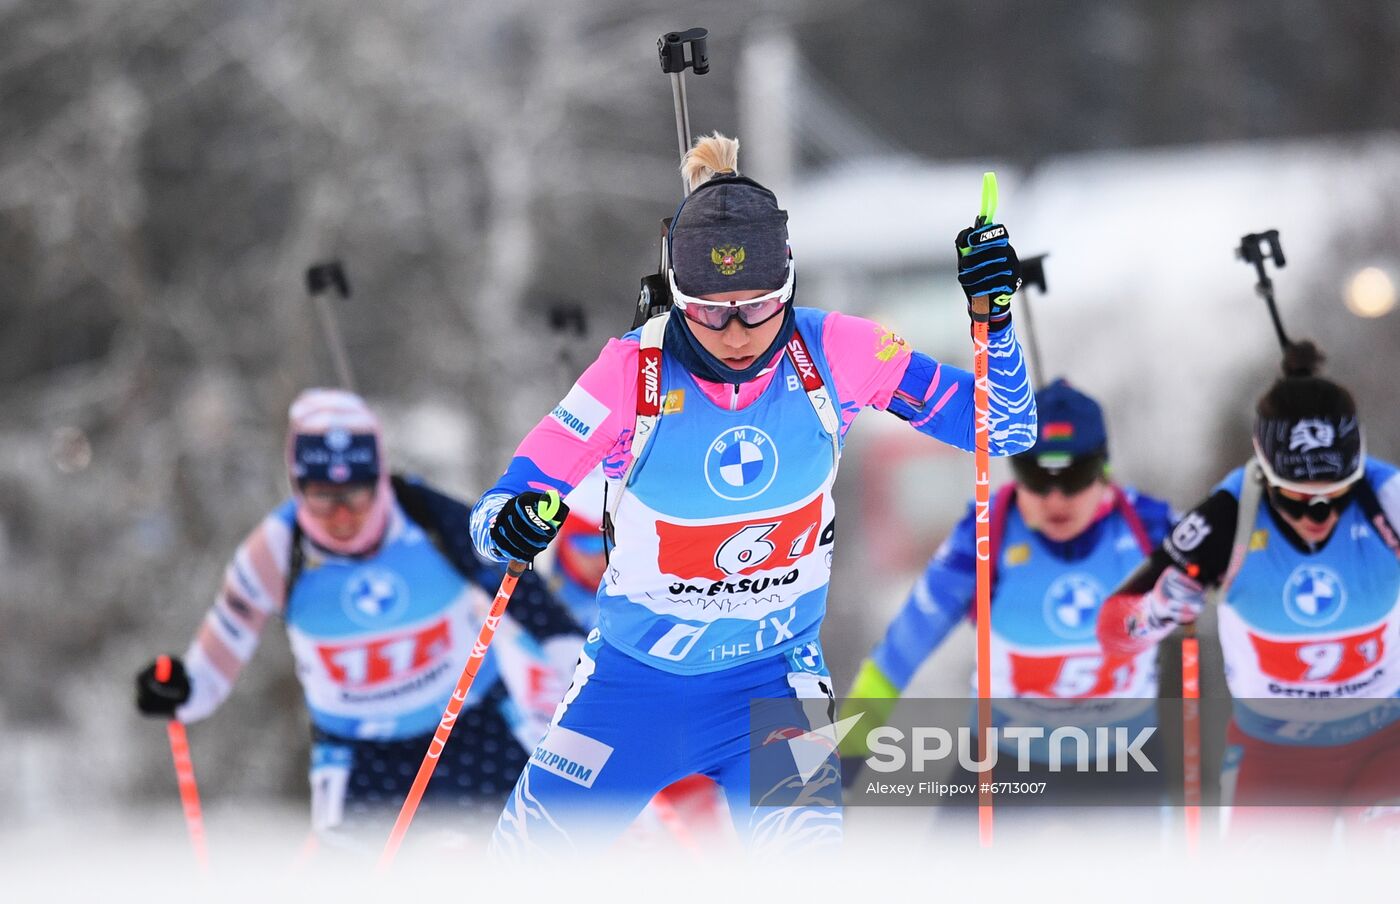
<point>741,463</point>
<point>1314,595</point>
<point>1072,606</point>
<point>373,596</point>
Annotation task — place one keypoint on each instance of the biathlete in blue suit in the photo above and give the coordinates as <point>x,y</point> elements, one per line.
<point>1063,535</point>
<point>719,426</point>
<point>382,594</point>
<point>1299,551</point>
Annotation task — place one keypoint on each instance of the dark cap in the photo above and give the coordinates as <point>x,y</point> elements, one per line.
<point>1327,448</point>
<point>1070,426</point>
<point>729,235</point>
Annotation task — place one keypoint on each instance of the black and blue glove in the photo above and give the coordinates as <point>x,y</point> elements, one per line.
<point>988,265</point>
<point>527,523</point>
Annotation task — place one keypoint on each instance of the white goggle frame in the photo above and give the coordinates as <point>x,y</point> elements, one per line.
<point>683,300</point>
<point>1311,490</point>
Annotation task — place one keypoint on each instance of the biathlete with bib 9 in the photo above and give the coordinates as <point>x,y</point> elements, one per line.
<point>1298,548</point>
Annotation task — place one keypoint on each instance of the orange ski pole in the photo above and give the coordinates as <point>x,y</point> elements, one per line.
<point>184,775</point>
<point>982,465</point>
<point>454,706</point>
<point>1191,735</point>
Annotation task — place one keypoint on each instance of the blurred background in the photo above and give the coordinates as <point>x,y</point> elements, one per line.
<point>493,175</point>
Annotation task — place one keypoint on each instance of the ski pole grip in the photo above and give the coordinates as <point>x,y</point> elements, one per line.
<point>671,48</point>
<point>331,274</point>
<point>549,506</point>
<point>988,212</point>
<point>162,669</point>
<point>1257,247</point>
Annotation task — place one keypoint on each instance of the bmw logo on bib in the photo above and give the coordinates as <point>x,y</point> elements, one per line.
<point>1314,595</point>
<point>373,596</point>
<point>1072,606</point>
<point>741,463</point>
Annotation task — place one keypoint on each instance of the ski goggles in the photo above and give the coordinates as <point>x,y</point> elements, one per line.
<point>750,313</point>
<point>323,501</point>
<point>1077,475</point>
<point>1316,507</point>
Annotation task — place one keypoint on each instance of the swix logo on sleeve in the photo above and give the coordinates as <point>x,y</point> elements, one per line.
<point>365,663</point>
<point>649,392</point>
<point>797,349</point>
<point>717,551</point>
<point>580,413</point>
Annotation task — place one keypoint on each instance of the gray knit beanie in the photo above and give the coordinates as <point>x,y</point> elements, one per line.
<point>729,235</point>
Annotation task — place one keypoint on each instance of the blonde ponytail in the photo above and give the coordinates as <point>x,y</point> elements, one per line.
<point>713,155</point>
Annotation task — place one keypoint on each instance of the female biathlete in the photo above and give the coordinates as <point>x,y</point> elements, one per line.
<point>1063,535</point>
<point>719,426</point>
<point>1299,549</point>
<point>382,594</point>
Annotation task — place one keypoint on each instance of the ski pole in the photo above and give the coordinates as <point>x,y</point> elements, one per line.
<point>982,465</point>
<point>319,279</point>
<point>1191,735</point>
<point>654,296</point>
<point>671,48</point>
<point>1256,248</point>
<point>1032,274</point>
<point>548,509</point>
<point>184,775</point>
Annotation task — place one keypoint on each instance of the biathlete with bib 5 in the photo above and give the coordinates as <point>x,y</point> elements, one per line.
<point>1063,534</point>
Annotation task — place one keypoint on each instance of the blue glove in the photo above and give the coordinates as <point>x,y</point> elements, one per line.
<point>988,265</point>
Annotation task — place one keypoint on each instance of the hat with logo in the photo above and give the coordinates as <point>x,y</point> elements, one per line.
<point>1306,430</point>
<point>1071,450</point>
<point>729,235</point>
<point>1323,448</point>
<point>334,437</point>
<point>1070,426</point>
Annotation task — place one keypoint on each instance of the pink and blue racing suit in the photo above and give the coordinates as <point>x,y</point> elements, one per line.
<point>717,582</point>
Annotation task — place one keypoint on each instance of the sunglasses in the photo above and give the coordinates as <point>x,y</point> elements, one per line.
<point>322,502</point>
<point>1317,508</point>
<point>750,313</point>
<point>1074,478</point>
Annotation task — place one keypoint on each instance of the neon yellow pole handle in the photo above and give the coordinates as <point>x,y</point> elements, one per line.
<point>989,199</point>
<point>549,507</point>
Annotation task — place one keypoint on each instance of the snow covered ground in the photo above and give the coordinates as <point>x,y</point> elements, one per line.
<point>889,855</point>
